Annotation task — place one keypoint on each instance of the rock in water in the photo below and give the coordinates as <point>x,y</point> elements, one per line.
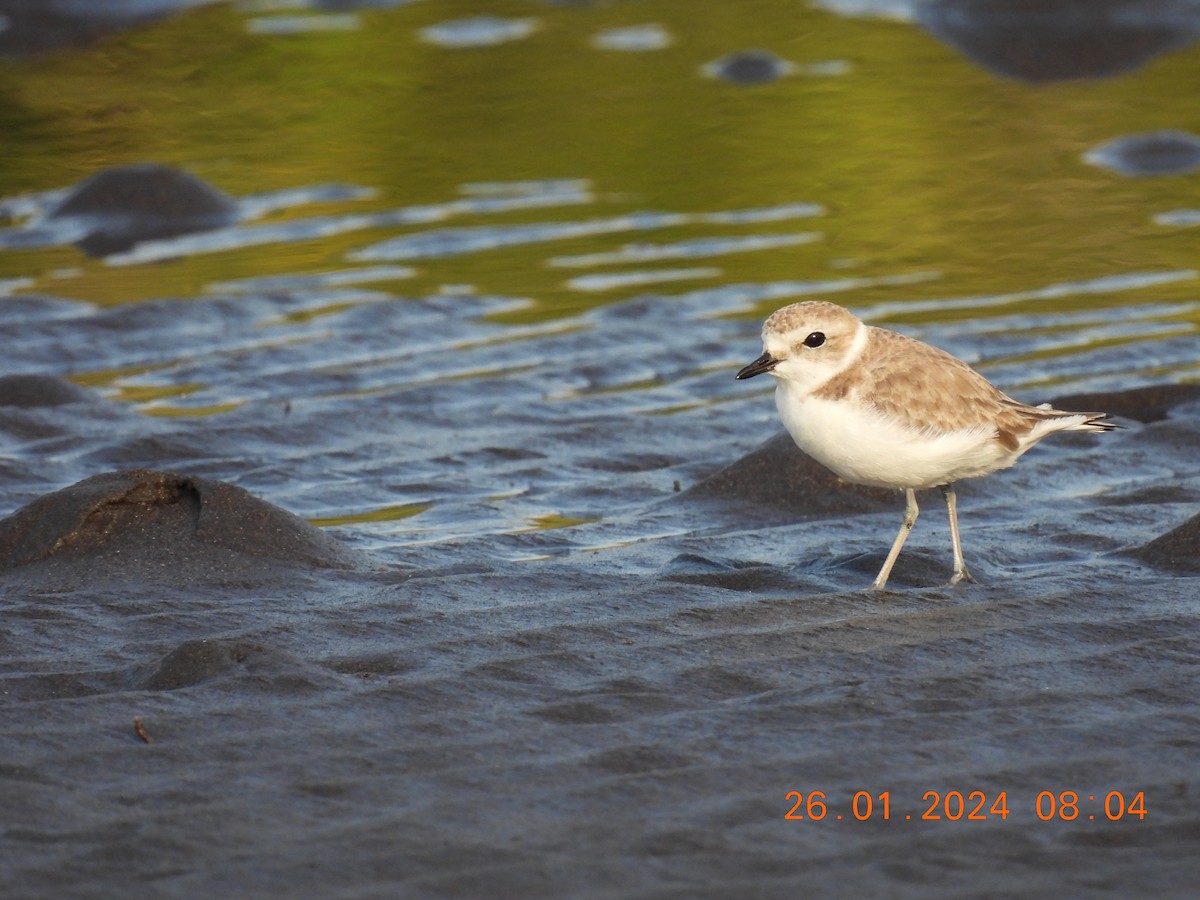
<point>1177,551</point>
<point>161,527</point>
<point>120,207</point>
<point>778,480</point>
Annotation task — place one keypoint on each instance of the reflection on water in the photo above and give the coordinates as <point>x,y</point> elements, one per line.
<point>634,38</point>
<point>433,256</point>
<point>712,246</point>
<point>922,161</point>
<point>479,31</point>
<point>383,514</point>
<point>456,241</point>
<point>481,300</point>
<point>302,24</point>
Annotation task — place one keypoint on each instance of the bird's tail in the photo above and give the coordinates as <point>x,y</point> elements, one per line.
<point>1088,421</point>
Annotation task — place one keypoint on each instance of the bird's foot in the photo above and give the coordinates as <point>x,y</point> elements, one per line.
<point>961,575</point>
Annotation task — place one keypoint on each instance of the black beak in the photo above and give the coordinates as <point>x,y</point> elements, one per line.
<point>764,363</point>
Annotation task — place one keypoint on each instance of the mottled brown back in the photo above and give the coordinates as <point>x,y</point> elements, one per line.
<point>930,390</point>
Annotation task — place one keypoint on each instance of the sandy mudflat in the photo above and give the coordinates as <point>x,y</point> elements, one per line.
<point>513,715</point>
<point>415,551</point>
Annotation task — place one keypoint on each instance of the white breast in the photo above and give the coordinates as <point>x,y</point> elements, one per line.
<point>864,447</point>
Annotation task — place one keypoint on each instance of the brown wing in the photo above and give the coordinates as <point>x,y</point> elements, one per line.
<point>930,390</point>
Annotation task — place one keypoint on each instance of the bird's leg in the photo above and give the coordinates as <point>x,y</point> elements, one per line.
<point>911,511</point>
<point>960,565</point>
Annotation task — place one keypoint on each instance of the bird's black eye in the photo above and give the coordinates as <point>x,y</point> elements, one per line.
<point>816,339</point>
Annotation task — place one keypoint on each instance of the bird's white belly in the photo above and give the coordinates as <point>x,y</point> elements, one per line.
<point>864,447</point>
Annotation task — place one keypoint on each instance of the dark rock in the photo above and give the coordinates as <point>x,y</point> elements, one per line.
<point>120,207</point>
<point>778,478</point>
<point>734,575</point>
<point>161,527</point>
<point>748,579</point>
<point>1052,40</point>
<point>193,662</point>
<point>270,670</point>
<point>1178,550</point>
<point>29,391</point>
<point>1151,153</point>
<point>39,26</point>
<point>749,67</point>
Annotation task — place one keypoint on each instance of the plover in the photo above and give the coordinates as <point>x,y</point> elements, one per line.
<point>882,409</point>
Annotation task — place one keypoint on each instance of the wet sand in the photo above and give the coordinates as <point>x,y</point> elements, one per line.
<point>582,622</point>
<point>518,715</point>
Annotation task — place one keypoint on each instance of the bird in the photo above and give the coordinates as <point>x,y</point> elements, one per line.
<point>879,408</point>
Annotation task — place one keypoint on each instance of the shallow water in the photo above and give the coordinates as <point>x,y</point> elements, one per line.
<point>479,316</point>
